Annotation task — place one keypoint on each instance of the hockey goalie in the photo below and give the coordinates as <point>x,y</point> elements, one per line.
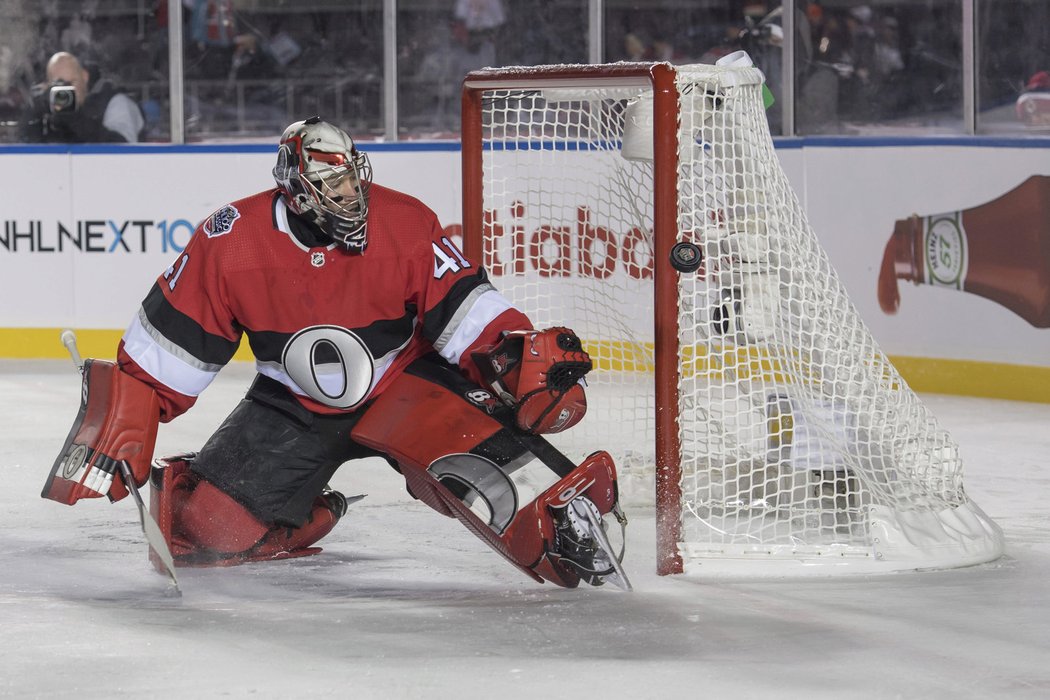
<point>373,336</point>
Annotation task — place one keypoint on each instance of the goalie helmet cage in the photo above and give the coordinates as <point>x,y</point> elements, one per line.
<point>748,393</point>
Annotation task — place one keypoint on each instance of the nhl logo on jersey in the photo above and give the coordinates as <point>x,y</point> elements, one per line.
<point>317,259</point>
<point>221,222</point>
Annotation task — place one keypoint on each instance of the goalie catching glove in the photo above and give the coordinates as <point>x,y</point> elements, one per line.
<point>539,374</point>
<point>117,422</point>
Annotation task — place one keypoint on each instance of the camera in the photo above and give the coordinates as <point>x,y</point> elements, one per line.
<point>62,98</point>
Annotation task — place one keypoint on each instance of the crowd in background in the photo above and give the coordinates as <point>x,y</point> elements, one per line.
<point>251,66</point>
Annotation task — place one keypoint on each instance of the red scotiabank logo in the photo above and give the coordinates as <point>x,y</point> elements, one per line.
<point>582,249</point>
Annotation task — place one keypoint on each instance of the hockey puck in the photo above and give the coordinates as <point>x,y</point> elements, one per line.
<point>686,257</point>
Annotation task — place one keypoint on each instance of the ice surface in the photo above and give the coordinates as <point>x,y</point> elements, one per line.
<point>404,603</point>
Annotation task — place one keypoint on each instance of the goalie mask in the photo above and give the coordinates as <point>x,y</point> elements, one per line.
<point>325,179</point>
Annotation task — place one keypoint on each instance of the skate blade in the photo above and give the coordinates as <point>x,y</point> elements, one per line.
<point>622,583</point>
<point>619,576</point>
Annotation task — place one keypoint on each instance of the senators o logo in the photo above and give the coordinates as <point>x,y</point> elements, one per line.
<point>330,364</point>
<point>479,481</point>
<point>75,459</point>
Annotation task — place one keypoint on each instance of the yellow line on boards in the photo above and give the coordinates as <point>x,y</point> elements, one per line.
<point>44,343</point>
<point>990,380</point>
<point>924,374</point>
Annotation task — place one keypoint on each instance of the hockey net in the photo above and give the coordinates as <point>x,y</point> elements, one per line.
<point>747,399</point>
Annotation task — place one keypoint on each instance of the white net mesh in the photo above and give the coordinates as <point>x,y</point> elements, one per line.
<point>799,438</point>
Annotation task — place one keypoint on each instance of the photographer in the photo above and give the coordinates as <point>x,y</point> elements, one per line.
<point>76,107</point>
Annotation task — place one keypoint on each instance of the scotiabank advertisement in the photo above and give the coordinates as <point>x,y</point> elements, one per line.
<point>944,249</point>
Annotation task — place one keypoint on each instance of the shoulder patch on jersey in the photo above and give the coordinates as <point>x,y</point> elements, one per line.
<point>221,222</point>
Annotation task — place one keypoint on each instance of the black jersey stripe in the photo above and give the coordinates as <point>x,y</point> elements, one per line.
<point>437,319</point>
<point>184,332</point>
<point>380,338</point>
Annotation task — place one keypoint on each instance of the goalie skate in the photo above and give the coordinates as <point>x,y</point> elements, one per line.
<point>583,543</point>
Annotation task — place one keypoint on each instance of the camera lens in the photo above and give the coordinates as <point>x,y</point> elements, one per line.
<point>63,97</point>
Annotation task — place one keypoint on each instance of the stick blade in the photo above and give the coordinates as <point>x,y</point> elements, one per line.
<point>150,529</point>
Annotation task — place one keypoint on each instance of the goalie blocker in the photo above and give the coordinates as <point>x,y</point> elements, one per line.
<point>117,421</point>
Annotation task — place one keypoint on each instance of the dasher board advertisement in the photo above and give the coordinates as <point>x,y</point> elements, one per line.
<point>83,251</point>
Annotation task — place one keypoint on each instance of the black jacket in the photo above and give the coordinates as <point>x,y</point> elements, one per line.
<point>83,125</point>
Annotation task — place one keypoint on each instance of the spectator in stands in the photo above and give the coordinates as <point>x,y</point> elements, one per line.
<point>888,59</point>
<point>636,47</point>
<point>478,23</point>
<point>212,23</point>
<point>76,106</point>
<point>212,39</point>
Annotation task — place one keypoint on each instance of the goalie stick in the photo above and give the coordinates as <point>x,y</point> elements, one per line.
<point>150,529</point>
<point>149,526</point>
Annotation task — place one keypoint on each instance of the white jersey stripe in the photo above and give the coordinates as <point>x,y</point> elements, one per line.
<point>163,365</point>
<point>476,313</point>
<point>171,348</point>
<point>275,370</point>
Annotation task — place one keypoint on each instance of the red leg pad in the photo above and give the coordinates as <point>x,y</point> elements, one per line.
<point>206,527</point>
<point>210,519</point>
<point>419,423</point>
<point>284,542</point>
<point>532,534</point>
<point>529,541</point>
<point>167,475</point>
<point>416,422</point>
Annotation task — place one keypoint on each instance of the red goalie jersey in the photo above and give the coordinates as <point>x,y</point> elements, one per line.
<point>334,328</point>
